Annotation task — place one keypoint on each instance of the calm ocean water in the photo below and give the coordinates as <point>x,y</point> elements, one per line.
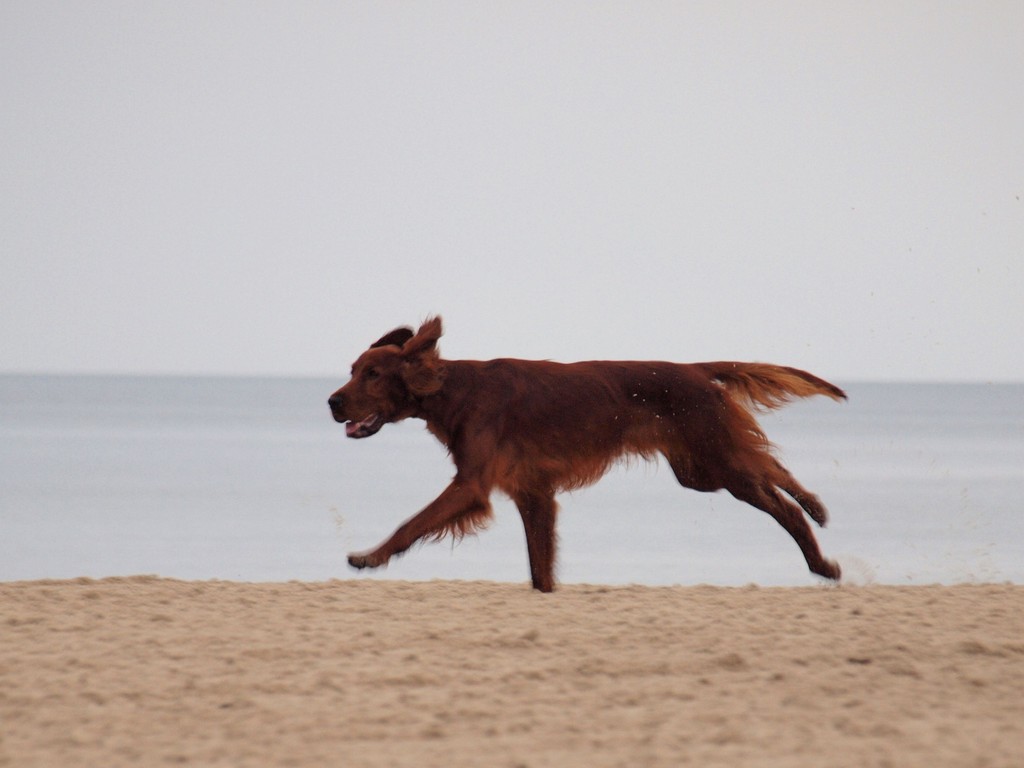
<point>249,479</point>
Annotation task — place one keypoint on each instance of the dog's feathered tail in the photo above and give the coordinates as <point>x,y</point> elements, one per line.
<point>761,386</point>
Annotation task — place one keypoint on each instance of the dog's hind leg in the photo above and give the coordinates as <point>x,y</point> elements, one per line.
<point>765,497</point>
<point>689,473</point>
<point>538,511</point>
<point>713,475</point>
<point>810,502</point>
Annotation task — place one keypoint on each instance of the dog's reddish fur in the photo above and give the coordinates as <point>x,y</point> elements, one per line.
<point>532,429</point>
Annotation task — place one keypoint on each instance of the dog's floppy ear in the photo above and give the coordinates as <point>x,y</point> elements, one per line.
<point>425,340</point>
<point>397,337</point>
<point>422,370</point>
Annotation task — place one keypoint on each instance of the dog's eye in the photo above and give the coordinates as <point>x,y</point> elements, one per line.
<point>372,373</point>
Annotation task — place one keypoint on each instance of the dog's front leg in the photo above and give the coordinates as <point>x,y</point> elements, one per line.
<point>458,499</point>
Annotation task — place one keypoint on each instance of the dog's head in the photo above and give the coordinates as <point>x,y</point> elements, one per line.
<point>389,379</point>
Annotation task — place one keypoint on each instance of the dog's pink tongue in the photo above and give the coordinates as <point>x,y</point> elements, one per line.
<point>354,427</point>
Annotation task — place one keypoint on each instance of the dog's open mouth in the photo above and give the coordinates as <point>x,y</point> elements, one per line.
<point>368,426</point>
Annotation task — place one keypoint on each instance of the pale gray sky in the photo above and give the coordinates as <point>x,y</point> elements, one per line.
<point>255,187</point>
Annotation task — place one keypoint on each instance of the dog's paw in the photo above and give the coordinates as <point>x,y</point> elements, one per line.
<point>830,570</point>
<point>362,560</point>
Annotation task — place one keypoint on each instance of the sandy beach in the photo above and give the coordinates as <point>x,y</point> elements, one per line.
<point>149,671</point>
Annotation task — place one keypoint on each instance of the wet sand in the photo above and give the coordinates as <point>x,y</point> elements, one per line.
<point>148,671</point>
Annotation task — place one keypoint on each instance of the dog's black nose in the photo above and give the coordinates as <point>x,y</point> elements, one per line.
<point>334,401</point>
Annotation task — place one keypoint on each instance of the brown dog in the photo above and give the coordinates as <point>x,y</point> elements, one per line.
<point>532,429</point>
